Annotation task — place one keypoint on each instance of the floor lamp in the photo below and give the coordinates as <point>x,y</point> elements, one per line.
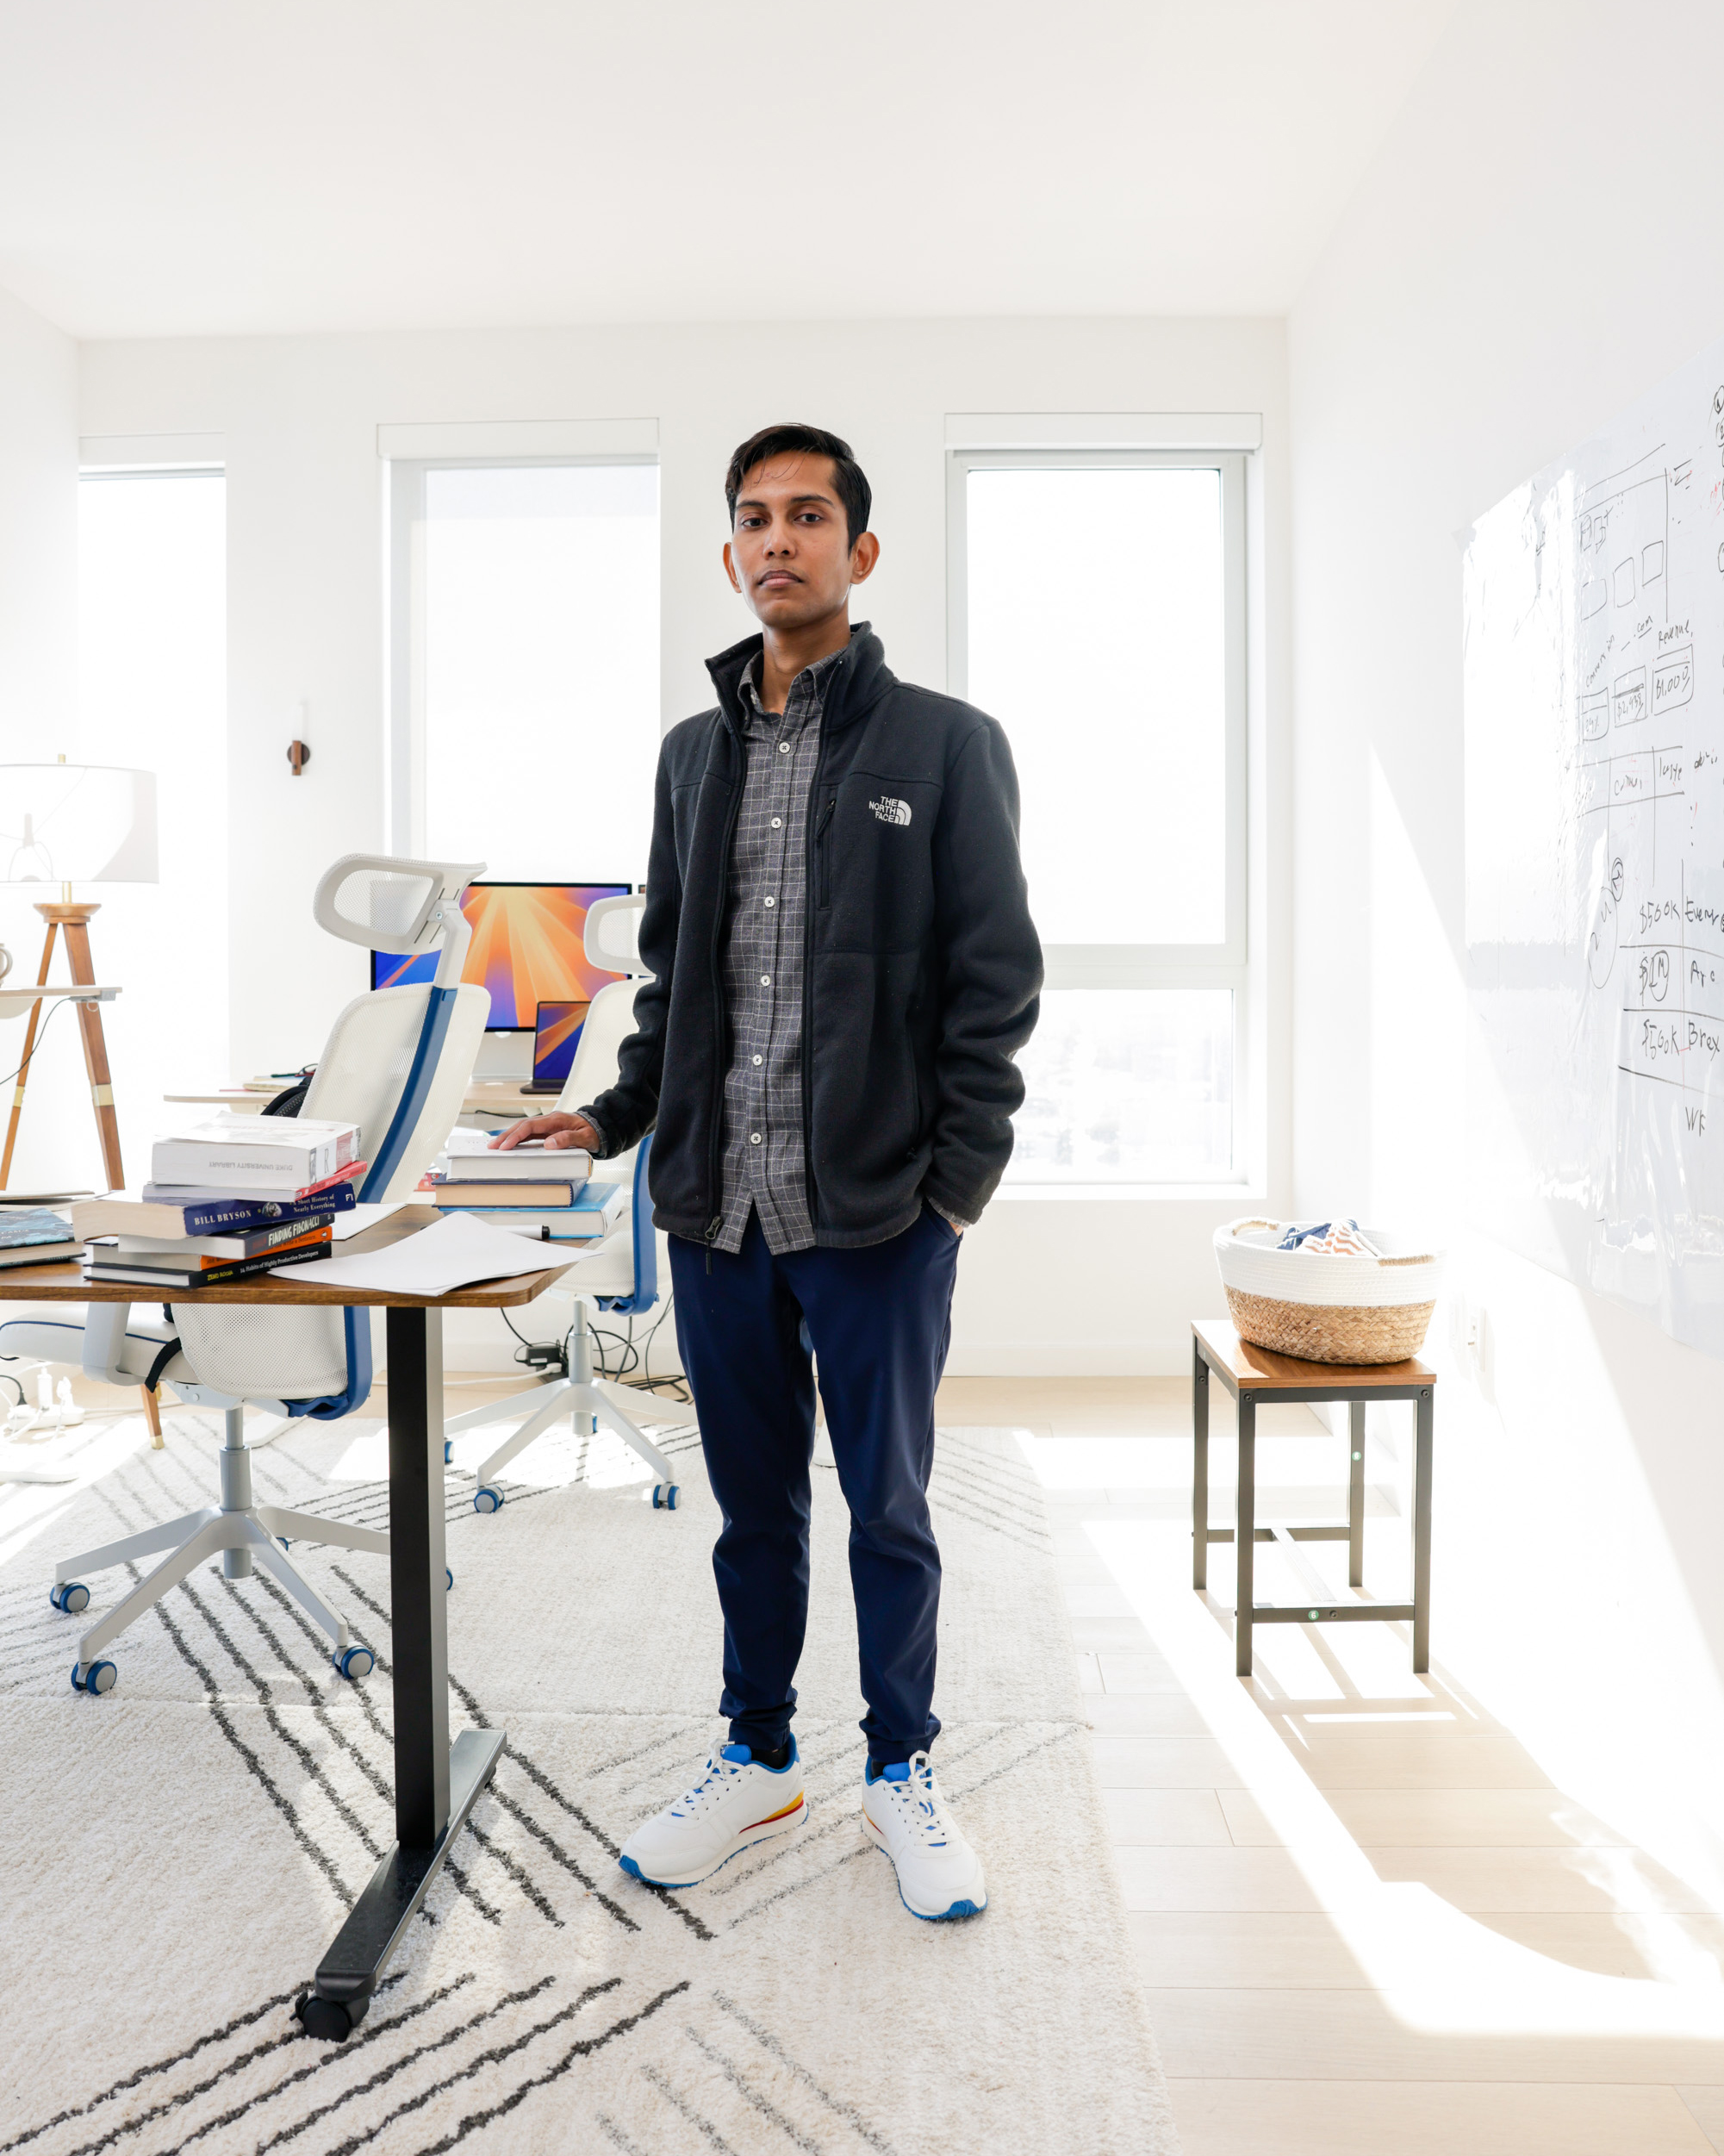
<point>68,824</point>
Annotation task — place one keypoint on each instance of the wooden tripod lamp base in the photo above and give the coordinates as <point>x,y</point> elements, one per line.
<point>73,921</point>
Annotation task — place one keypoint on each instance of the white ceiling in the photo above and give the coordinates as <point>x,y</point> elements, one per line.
<point>172,167</point>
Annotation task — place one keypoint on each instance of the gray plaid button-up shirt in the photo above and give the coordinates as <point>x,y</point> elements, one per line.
<point>764,1159</point>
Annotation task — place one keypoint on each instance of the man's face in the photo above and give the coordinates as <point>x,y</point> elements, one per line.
<point>790,555</point>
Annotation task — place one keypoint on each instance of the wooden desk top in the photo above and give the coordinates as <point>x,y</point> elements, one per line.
<point>500,1097</point>
<point>1256,1370</point>
<point>294,1287</point>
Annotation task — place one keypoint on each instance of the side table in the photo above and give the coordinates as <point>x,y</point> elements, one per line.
<point>1253,1376</point>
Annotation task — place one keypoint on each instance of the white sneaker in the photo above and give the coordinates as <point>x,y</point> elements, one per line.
<point>939,1875</point>
<point>736,1802</point>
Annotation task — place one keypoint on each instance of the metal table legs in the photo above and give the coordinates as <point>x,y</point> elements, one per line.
<point>1246,1534</point>
<point>435,1785</point>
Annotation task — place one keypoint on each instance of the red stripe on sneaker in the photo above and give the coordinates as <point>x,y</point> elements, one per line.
<point>770,1816</point>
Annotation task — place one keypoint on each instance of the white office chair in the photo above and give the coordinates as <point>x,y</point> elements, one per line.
<point>397,1064</point>
<point>621,1274</point>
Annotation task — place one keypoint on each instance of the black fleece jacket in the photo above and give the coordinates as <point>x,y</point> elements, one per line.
<point>922,970</point>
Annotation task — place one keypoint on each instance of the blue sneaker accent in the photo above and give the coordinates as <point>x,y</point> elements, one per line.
<point>899,1771</point>
<point>741,1755</point>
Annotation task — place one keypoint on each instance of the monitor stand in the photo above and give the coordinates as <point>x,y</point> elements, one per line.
<point>504,1058</point>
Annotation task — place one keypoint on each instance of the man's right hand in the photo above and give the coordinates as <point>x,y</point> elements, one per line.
<point>560,1133</point>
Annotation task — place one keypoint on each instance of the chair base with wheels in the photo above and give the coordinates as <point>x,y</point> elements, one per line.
<point>578,1394</point>
<point>622,1277</point>
<point>242,1534</point>
<point>397,1064</point>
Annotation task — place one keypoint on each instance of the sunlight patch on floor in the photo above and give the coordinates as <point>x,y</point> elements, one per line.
<point>1440,1969</point>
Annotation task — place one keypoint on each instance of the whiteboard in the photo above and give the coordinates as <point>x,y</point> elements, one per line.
<point>1594,684</point>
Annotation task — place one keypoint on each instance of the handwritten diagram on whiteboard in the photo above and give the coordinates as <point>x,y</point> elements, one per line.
<point>1594,614</point>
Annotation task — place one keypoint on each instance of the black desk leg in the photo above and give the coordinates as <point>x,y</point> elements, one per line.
<point>1200,1469</point>
<point>1245,1536</point>
<point>435,1788</point>
<point>1424,1409</point>
<point>1355,1496</point>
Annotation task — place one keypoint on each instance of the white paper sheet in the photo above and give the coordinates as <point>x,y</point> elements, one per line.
<point>453,1253</point>
<point>350,1224</point>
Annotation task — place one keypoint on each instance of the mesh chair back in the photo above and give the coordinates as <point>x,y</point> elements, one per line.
<point>366,1065</point>
<point>608,1023</point>
<point>301,1353</point>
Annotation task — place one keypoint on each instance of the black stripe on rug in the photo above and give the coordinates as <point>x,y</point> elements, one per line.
<point>768,2111</point>
<point>703,2126</point>
<point>290,2039</point>
<point>583,2049</point>
<point>836,2105</point>
<point>145,2073</point>
<point>385,2073</point>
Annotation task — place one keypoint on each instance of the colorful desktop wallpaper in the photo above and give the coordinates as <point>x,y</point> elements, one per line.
<point>526,950</point>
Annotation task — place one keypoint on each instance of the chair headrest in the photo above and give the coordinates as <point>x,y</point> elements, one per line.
<point>384,903</point>
<point>613,927</point>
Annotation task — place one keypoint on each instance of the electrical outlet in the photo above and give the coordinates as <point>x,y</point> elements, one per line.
<point>1470,1338</point>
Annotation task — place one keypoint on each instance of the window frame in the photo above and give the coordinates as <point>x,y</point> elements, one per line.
<point>1222,965</point>
<point>404,481</point>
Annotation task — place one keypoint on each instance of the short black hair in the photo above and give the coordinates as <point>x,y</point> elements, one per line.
<point>791,438</point>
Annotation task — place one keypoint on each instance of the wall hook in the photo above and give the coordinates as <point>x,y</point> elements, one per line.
<point>299,756</point>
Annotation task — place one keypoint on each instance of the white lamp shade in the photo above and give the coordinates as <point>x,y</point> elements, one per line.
<point>77,823</point>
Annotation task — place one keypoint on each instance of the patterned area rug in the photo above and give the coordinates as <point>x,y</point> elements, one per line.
<point>184,1848</point>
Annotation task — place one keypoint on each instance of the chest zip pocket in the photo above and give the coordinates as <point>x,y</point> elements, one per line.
<point>823,854</point>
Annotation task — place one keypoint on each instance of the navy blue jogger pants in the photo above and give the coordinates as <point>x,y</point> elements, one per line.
<point>880,1320</point>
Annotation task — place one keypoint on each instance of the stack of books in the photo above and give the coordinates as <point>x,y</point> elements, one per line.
<point>548,1194</point>
<point>238,1195</point>
<point>34,1235</point>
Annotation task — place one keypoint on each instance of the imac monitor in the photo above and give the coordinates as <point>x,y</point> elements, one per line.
<point>526,950</point>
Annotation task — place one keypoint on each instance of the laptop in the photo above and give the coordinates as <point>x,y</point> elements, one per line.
<point>556,1035</point>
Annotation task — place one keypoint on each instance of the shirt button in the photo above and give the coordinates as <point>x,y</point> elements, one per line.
<point>756,1059</point>
<point>778,823</point>
<point>754,1137</point>
<point>772,901</point>
<point>766,981</point>
<point>784,748</point>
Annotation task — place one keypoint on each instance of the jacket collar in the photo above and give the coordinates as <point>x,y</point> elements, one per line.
<point>860,678</point>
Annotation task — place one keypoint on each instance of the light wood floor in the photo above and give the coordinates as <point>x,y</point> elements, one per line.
<point>1253,1821</point>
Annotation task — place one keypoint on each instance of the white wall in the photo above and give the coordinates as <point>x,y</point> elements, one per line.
<point>39,695</point>
<point>1046,1284</point>
<point>1537,244</point>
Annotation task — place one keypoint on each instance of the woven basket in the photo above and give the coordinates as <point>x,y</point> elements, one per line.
<point>1322,1306</point>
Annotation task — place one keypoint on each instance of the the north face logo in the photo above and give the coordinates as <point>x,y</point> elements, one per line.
<point>889,811</point>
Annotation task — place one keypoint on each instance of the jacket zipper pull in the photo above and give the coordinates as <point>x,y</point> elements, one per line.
<point>825,816</point>
<point>713,1228</point>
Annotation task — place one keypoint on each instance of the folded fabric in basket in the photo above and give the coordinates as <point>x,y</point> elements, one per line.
<point>1340,1238</point>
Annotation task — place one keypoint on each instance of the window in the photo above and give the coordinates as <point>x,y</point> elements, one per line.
<point>152,691</point>
<point>525,664</point>
<point>1098,612</point>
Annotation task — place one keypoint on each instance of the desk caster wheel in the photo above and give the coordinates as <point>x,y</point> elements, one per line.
<point>354,1662</point>
<point>448,1450</point>
<point>486,1499</point>
<point>665,1494</point>
<point>327,2020</point>
<point>448,1580</point>
<point>98,1676</point>
<point>72,1596</point>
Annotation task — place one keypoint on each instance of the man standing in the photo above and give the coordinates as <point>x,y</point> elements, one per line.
<point>843,970</point>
